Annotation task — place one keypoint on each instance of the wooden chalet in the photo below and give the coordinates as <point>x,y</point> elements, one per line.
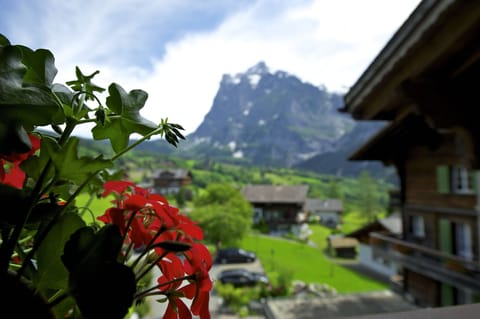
<point>388,226</point>
<point>170,181</point>
<point>328,211</point>
<point>426,82</point>
<point>342,246</point>
<point>279,206</point>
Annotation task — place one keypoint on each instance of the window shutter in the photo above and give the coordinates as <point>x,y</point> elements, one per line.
<point>473,180</point>
<point>447,295</point>
<point>445,236</point>
<point>443,179</point>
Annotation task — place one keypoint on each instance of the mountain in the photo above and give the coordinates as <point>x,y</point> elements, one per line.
<point>273,119</point>
<point>270,119</point>
<point>336,162</point>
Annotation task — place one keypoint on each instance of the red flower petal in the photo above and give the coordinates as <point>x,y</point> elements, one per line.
<point>15,177</point>
<point>200,305</point>
<point>116,187</point>
<point>135,202</point>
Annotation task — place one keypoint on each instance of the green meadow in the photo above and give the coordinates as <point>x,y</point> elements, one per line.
<point>308,264</point>
<point>92,208</point>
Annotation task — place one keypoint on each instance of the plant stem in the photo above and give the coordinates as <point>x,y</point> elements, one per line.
<point>57,298</point>
<point>49,226</point>
<point>141,294</point>
<point>37,192</point>
<point>150,266</point>
<point>148,248</point>
<point>134,144</point>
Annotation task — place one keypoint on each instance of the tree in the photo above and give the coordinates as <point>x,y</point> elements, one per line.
<point>223,213</point>
<point>335,191</point>
<point>368,196</point>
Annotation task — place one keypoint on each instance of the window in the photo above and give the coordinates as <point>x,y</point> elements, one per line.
<point>455,179</point>
<point>257,215</point>
<point>462,180</point>
<point>418,226</point>
<point>463,240</point>
<point>456,238</point>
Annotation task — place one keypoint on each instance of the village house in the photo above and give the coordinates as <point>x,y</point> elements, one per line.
<point>342,246</point>
<point>170,181</point>
<point>425,81</point>
<point>327,211</point>
<point>388,226</point>
<point>278,206</point>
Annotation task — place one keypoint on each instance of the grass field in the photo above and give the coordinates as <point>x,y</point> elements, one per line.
<point>96,208</point>
<point>319,235</point>
<point>307,263</point>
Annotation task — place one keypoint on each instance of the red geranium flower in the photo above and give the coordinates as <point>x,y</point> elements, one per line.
<point>147,219</point>
<point>15,176</point>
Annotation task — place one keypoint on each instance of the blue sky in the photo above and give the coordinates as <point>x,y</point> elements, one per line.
<point>178,50</point>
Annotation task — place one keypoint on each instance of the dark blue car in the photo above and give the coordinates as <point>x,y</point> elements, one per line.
<point>234,255</point>
<point>242,277</point>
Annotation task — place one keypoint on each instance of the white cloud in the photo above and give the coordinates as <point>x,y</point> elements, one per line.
<point>326,42</point>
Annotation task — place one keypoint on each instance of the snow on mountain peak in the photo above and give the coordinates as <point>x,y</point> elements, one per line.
<point>254,79</point>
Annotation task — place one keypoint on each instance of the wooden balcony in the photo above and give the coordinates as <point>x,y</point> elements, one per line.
<point>443,267</point>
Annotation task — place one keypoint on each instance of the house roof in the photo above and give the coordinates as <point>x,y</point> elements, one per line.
<point>275,193</point>
<point>177,173</point>
<point>437,41</point>
<point>396,137</point>
<point>319,205</point>
<point>342,242</point>
<point>391,224</point>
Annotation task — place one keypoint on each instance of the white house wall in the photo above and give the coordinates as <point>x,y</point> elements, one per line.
<point>366,258</point>
<point>329,216</point>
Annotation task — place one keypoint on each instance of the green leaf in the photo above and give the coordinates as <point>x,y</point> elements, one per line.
<point>64,307</point>
<point>27,106</point>
<point>65,95</point>
<point>102,287</point>
<point>95,187</point>
<point>34,165</point>
<point>4,41</point>
<point>83,83</point>
<point>104,291</point>
<point>171,131</point>
<point>13,139</point>
<point>86,247</point>
<point>125,117</point>
<point>42,212</point>
<point>28,302</point>
<point>77,248</point>
<point>51,272</point>
<point>16,201</point>
<point>68,166</point>
<point>175,246</point>
<point>40,64</point>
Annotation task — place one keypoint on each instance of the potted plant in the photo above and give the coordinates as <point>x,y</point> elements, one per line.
<point>53,264</point>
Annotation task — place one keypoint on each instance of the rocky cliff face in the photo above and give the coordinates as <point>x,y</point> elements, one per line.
<point>270,118</point>
<point>336,162</point>
<point>266,118</point>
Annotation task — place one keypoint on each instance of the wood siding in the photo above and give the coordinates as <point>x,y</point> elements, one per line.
<point>426,291</point>
<point>421,176</point>
<point>279,214</point>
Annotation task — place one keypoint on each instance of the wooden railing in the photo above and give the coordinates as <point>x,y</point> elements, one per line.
<point>440,265</point>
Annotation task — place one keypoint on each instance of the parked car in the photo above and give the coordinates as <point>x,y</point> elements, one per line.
<point>235,255</point>
<point>239,277</point>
